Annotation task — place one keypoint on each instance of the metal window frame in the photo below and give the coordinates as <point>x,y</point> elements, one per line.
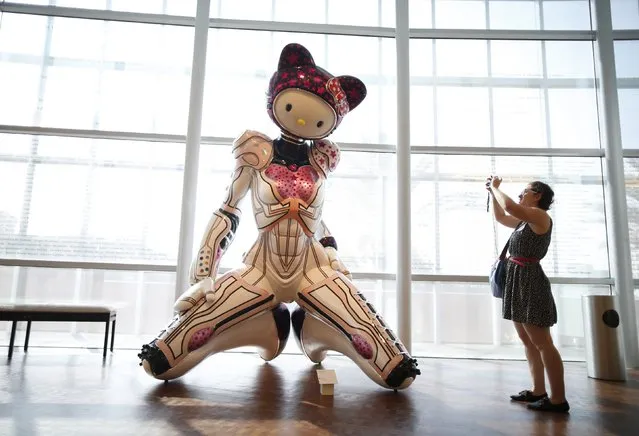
<point>346,146</point>
<point>171,268</point>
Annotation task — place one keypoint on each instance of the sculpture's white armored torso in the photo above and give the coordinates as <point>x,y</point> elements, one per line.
<point>287,200</point>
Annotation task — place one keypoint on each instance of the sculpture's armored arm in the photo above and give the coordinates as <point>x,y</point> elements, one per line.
<point>330,246</point>
<point>251,151</point>
<point>325,156</point>
<point>219,234</point>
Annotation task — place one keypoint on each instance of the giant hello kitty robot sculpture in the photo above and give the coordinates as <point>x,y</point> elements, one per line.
<point>294,258</point>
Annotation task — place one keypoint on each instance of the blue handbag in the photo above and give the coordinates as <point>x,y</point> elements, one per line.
<point>497,276</point>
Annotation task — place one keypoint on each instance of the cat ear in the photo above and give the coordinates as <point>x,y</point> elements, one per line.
<point>355,90</point>
<point>295,55</point>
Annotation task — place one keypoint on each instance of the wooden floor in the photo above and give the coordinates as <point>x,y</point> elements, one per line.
<point>66,392</point>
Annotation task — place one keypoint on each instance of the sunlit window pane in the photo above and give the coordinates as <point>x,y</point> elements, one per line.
<point>66,44</point>
<point>420,14</point>
<point>631,169</point>
<point>514,14</point>
<point>573,118</point>
<point>502,14</point>
<point>117,76</point>
<point>14,145</point>
<point>628,110</point>
<point>516,59</point>
<point>356,12</point>
<point>422,124</point>
<point>23,34</point>
<point>479,330</point>
<point>570,59</point>
<point>19,84</point>
<point>421,57</point>
<point>456,183</point>
<point>460,14</point>
<point>12,174</point>
<point>62,148</point>
<point>169,7</point>
<point>627,66</point>
<point>462,116</point>
<point>523,113</point>
<point>93,200</point>
<point>68,95</point>
<point>567,15</point>
<point>626,59</point>
<point>519,118</point>
<point>625,14</point>
<point>144,301</point>
<point>57,212</point>
<point>463,58</point>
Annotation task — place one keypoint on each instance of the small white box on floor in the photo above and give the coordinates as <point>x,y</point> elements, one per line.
<point>327,380</point>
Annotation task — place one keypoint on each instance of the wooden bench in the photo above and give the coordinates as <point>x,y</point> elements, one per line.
<point>57,312</point>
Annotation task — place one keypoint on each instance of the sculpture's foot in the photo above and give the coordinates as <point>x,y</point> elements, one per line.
<point>153,360</point>
<point>403,374</point>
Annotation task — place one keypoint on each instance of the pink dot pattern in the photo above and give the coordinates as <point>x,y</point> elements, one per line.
<point>362,346</point>
<point>199,338</point>
<point>299,183</point>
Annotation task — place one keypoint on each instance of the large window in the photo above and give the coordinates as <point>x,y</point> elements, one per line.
<point>500,14</point>
<point>91,200</point>
<point>446,241</point>
<point>627,67</point>
<point>463,320</point>
<point>116,76</point>
<point>92,149</point>
<point>503,93</point>
<point>627,64</point>
<point>169,7</point>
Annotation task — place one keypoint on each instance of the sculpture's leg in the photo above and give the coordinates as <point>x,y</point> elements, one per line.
<point>333,315</point>
<point>241,314</point>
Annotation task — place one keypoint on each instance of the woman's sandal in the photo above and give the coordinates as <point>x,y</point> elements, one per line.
<point>528,397</point>
<point>545,405</point>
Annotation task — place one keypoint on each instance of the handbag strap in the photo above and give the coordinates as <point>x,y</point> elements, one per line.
<point>502,256</point>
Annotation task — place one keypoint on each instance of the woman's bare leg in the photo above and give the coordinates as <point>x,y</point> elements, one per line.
<point>540,337</point>
<point>535,362</point>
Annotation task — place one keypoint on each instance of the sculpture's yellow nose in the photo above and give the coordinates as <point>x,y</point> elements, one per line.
<point>301,122</point>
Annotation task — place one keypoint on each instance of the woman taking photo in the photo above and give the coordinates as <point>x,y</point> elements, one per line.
<point>528,299</point>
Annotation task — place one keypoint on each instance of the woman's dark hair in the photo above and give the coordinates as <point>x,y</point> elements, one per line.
<point>547,194</point>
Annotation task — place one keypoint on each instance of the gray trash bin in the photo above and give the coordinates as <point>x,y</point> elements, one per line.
<point>604,349</point>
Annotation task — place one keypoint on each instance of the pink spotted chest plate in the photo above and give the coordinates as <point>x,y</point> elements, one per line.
<point>293,181</point>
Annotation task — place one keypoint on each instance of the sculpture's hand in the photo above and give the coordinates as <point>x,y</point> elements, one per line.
<point>191,296</point>
<point>336,263</point>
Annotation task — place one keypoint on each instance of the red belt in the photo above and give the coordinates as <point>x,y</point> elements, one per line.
<point>523,261</point>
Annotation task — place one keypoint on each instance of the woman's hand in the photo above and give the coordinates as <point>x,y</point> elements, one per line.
<point>493,182</point>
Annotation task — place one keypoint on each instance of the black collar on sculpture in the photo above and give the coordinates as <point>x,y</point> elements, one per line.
<point>289,153</point>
